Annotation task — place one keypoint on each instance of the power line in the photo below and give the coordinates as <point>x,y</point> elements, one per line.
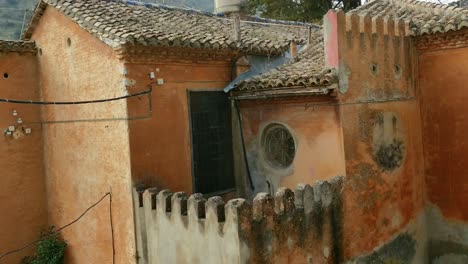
<point>111,225</point>
<point>14,101</point>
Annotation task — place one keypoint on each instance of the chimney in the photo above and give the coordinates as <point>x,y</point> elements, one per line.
<point>234,10</point>
<point>228,7</point>
<point>293,49</point>
<point>236,26</point>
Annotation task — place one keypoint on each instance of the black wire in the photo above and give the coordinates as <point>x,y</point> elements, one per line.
<point>13,101</point>
<point>236,103</point>
<point>67,225</point>
<point>246,161</point>
<point>269,188</point>
<point>112,226</point>
<point>87,210</point>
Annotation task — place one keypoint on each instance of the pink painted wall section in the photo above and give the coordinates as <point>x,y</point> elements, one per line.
<point>330,30</point>
<point>85,159</point>
<point>22,182</point>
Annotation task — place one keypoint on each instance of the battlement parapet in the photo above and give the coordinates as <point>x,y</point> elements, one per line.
<point>355,23</point>
<point>375,49</point>
<point>175,228</point>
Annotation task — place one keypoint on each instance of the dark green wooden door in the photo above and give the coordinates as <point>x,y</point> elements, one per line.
<point>211,142</point>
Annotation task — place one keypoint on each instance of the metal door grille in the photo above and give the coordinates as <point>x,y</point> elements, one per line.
<point>211,141</point>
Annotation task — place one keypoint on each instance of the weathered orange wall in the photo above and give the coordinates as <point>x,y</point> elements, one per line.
<point>22,181</point>
<point>161,145</point>
<point>443,81</point>
<point>84,160</point>
<point>380,203</point>
<point>378,106</point>
<point>317,134</point>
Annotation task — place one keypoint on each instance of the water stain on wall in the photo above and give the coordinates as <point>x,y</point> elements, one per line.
<point>447,252</point>
<point>388,141</point>
<point>401,250</point>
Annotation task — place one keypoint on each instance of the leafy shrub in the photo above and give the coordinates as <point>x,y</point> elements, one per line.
<point>49,250</point>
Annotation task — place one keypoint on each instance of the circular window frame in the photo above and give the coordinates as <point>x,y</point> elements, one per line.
<point>272,159</point>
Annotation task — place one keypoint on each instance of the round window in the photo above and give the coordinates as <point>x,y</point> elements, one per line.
<point>278,145</point>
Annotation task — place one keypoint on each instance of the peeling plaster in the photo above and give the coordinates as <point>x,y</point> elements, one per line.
<point>343,77</point>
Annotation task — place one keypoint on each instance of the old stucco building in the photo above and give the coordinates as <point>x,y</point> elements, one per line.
<point>375,108</point>
<point>375,96</point>
<point>77,51</point>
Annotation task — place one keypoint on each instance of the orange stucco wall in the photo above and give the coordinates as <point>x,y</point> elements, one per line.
<point>442,85</point>
<point>161,145</point>
<point>317,135</point>
<point>85,159</point>
<point>380,203</point>
<point>22,181</point>
<point>384,193</point>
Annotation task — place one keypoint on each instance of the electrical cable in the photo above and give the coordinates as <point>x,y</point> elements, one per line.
<point>236,103</point>
<point>71,223</point>
<point>246,161</point>
<point>270,191</point>
<point>112,226</point>
<point>13,101</point>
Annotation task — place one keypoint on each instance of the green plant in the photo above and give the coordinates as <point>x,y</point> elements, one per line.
<point>49,250</point>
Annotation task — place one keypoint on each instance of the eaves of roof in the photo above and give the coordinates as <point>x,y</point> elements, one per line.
<point>7,46</point>
<point>119,22</point>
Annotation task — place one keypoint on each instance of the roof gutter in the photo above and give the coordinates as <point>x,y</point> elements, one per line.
<point>329,90</point>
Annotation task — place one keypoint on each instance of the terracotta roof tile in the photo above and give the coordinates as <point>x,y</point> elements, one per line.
<point>423,17</point>
<point>118,22</point>
<point>309,70</point>
<point>306,70</point>
<point>7,46</point>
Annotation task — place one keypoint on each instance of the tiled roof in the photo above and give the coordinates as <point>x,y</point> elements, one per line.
<point>118,22</point>
<point>306,70</point>
<point>423,17</point>
<point>7,46</point>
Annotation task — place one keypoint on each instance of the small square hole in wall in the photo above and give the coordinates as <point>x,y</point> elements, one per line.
<point>374,67</point>
<point>397,71</point>
<point>6,75</point>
